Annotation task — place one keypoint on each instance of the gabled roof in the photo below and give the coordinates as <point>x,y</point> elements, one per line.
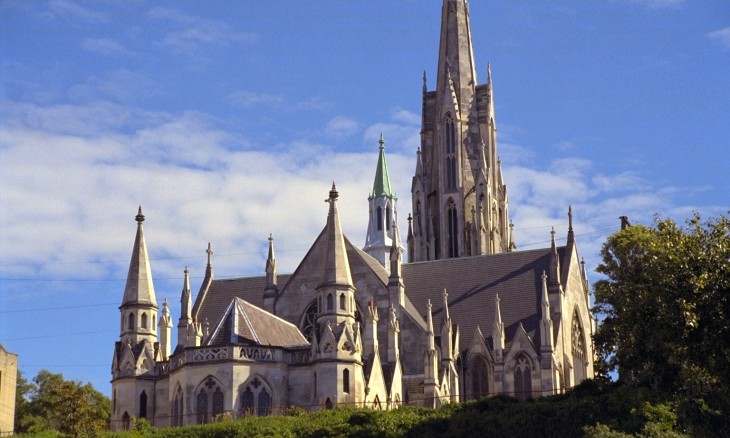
<point>245,323</point>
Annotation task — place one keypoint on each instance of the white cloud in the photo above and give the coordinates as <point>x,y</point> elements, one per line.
<point>341,127</point>
<point>722,35</point>
<point>187,34</point>
<point>68,9</point>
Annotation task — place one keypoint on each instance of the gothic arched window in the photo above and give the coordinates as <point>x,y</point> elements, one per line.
<point>209,401</point>
<point>330,302</point>
<point>450,140</point>
<point>387,217</point>
<point>143,323</point>
<point>479,378</point>
<point>346,380</point>
<point>578,349</point>
<point>256,398</point>
<point>177,408</point>
<point>379,217</point>
<point>130,322</point>
<point>143,405</point>
<point>342,302</point>
<point>523,378</point>
<point>309,321</point>
<point>126,421</point>
<point>453,230</point>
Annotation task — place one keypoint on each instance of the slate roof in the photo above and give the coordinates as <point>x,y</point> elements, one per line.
<point>473,282</point>
<point>221,292</point>
<point>254,325</point>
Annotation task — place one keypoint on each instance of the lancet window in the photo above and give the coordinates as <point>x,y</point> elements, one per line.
<point>177,408</point>
<point>450,140</point>
<point>346,380</point>
<point>143,405</point>
<point>380,218</point>
<point>453,230</point>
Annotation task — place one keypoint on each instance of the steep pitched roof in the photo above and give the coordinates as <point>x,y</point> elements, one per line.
<point>245,323</point>
<point>473,282</point>
<point>221,292</point>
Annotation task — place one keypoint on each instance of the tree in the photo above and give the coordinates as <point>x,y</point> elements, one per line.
<point>665,304</point>
<point>67,406</point>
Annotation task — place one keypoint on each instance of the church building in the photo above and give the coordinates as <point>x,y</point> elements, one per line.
<point>467,316</point>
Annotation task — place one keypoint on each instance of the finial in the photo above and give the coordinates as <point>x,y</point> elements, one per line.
<point>570,218</point>
<point>140,217</point>
<point>552,232</point>
<point>271,237</point>
<point>410,219</point>
<point>489,72</point>
<point>209,252</point>
<point>382,142</point>
<point>186,271</point>
<point>445,295</point>
<point>333,194</point>
<point>418,151</point>
<point>496,298</point>
<point>429,306</point>
<point>543,276</point>
<point>424,81</point>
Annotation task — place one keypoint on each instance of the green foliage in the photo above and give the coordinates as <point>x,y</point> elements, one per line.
<point>666,308</point>
<point>69,407</point>
<point>594,408</point>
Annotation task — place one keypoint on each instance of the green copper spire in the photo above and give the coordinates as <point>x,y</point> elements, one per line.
<point>381,186</point>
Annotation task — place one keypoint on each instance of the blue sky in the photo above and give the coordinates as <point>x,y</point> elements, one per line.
<point>228,121</point>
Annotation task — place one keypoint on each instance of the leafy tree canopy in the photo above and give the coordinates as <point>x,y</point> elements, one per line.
<point>52,403</point>
<point>665,304</point>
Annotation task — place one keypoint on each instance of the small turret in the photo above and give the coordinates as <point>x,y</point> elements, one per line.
<point>165,326</point>
<point>498,331</point>
<point>271,291</point>
<point>186,318</point>
<point>546,324</point>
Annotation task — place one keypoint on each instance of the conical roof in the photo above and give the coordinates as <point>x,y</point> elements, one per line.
<point>139,288</point>
<point>381,186</point>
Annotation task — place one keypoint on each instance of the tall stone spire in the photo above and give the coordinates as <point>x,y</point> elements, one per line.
<point>271,290</point>
<point>139,304</point>
<point>139,289</point>
<point>457,169</point>
<point>336,266</point>
<point>382,213</point>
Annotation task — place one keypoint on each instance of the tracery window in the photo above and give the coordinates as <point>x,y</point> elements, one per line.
<point>578,349</point>
<point>453,230</point>
<point>523,378</point>
<point>309,321</point>
<point>209,401</point>
<point>450,137</point>
<point>256,398</point>
<point>479,378</point>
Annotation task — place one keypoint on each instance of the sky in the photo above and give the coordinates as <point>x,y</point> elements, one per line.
<point>227,121</point>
